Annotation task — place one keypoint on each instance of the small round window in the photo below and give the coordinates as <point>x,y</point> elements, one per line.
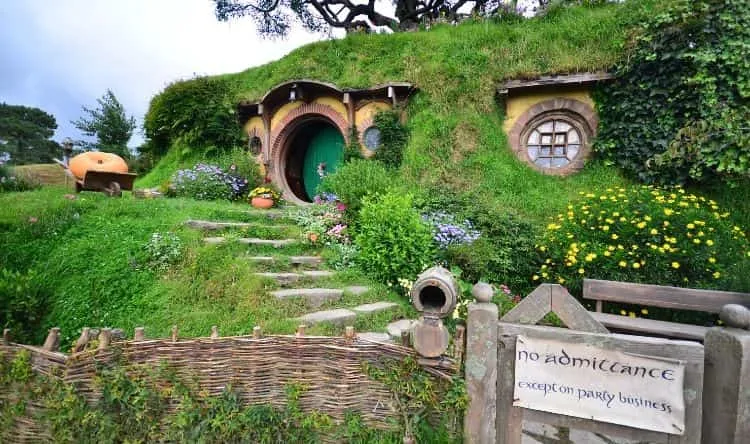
<point>553,143</point>
<point>371,138</point>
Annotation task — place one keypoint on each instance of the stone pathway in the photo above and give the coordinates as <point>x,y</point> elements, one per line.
<point>292,270</point>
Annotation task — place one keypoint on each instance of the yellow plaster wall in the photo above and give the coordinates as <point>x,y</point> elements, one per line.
<point>368,112</point>
<point>334,103</point>
<point>283,111</point>
<point>256,123</point>
<point>515,106</point>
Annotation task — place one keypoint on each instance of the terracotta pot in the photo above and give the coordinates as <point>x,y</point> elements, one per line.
<point>261,202</point>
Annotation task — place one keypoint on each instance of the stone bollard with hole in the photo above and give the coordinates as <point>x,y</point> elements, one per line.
<point>434,294</point>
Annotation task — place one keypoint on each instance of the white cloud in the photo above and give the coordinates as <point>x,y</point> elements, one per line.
<point>60,55</point>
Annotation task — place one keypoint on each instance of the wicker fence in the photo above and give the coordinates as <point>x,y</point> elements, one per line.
<point>258,369</point>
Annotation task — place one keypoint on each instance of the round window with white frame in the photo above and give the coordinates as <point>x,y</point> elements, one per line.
<point>555,143</point>
<point>371,138</point>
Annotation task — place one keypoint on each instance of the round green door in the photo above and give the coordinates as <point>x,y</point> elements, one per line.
<point>325,151</point>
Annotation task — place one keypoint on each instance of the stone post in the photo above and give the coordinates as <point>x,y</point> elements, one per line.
<point>481,367</point>
<point>726,384</point>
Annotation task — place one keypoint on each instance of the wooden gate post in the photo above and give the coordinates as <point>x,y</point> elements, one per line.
<point>481,367</point>
<point>726,384</point>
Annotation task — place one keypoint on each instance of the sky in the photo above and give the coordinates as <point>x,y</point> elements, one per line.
<point>60,55</point>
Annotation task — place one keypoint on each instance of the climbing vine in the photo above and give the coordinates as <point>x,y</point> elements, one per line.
<point>680,106</point>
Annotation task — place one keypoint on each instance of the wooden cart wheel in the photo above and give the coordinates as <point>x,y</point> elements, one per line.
<point>113,190</point>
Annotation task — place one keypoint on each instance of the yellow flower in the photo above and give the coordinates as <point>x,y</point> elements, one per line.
<point>709,242</point>
<point>666,223</point>
<point>654,231</point>
<point>614,236</point>
<point>611,248</point>
<point>712,260</point>
<point>691,226</point>
<point>675,265</point>
<point>615,214</point>
<point>668,212</point>
<point>560,281</point>
<point>717,275</point>
<point>605,228</point>
<point>641,225</point>
<point>544,275</point>
<point>542,248</point>
<point>623,312</point>
<point>631,314</point>
<point>636,265</point>
<point>696,241</point>
<point>623,264</point>
<point>590,257</point>
<point>535,278</point>
<point>607,253</point>
<point>581,271</point>
<point>644,311</point>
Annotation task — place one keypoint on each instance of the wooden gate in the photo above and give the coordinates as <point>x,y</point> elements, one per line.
<point>499,421</point>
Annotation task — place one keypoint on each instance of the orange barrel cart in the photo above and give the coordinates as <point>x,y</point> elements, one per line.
<point>98,171</point>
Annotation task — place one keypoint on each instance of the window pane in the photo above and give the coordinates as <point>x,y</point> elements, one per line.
<point>533,138</point>
<point>561,126</point>
<point>573,136</point>
<point>573,151</point>
<point>533,152</point>
<point>545,127</point>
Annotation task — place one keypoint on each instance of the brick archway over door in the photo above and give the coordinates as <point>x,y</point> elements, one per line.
<point>286,131</point>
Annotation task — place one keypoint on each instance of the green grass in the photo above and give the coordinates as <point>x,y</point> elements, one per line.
<point>455,120</point>
<point>91,259</point>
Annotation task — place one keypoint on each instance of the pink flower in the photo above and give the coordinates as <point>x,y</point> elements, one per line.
<point>33,220</point>
<point>340,206</point>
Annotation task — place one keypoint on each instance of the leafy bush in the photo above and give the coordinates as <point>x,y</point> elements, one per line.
<point>644,234</point>
<point>199,112</point>
<point>240,163</point>
<point>163,250</point>
<point>208,182</point>
<point>394,242</point>
<point>355,180</point>
<point>23,303</point>
<point>503,253</point>
<point>393,138</point>
<point>680,104</point>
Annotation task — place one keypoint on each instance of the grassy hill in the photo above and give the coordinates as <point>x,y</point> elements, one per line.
<point>83,262</point>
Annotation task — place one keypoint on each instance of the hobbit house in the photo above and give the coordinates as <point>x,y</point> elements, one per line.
<point>299,129</point>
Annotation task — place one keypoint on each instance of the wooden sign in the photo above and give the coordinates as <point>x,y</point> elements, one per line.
<point>586,381</point>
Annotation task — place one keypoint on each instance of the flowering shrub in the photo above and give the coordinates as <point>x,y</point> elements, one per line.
<point>265,192</point>
<point>448,231</point>
<point>163,250</point>
<point>322,223</point>
<point>644,234</point>
<point>208,182</point>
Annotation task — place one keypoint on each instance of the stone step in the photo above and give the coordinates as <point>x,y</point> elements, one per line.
<point>338,316</point>
<point>277,243</point>
<point>357,290</point>
<point>395,328</point>
<point>315,297</point>
<point>311,261</point>
<point>290,278</point>
<point>374,307</point>
<point>216,226</point>
<point>375,337</point>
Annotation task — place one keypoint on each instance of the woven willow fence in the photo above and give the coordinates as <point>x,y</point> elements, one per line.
<point>257,368</point>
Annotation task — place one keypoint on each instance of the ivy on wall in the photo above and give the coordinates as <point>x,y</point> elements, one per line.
<point>680,106</point>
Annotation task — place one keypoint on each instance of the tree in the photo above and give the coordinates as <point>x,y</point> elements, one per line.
<point>25,134</point>
<point>275,17</point>
<point>109,124</point>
